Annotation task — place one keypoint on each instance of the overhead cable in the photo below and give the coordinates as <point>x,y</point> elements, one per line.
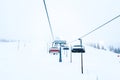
<point>96,28</point>
<point>100,26</point>
<point>51,30</point>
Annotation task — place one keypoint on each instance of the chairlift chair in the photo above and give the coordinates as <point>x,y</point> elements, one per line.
<point>78,49</point>
<point>54,50</point>
<point>66,48</point>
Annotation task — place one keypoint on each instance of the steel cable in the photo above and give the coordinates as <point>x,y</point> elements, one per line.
<point>51,30</point>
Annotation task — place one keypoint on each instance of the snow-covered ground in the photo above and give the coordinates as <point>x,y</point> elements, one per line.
<point>31,61</point>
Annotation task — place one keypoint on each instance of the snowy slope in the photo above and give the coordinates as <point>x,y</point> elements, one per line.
<point>30,61</point>
<point>104,64</point>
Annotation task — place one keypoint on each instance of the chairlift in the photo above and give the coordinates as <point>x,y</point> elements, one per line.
<point>54,50</point>
<point>60,42</point>
<point>65,48</point>
<point>78,49</point>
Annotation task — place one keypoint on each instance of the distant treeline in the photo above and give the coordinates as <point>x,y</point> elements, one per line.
<point>102,47</point>
<point>113,49</point>
<point>6,40</point>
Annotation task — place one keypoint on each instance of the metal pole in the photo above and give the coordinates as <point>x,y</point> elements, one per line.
<point>70,57</point>
<point>80,41</point>
<point>60,55</point>
<point>82,63</point>
<point>81,57</point>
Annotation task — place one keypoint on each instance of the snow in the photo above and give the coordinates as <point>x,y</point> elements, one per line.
<point>31,61</point>
<point>27,57</point>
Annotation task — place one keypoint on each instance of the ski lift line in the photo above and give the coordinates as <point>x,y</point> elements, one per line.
<point>51,30</point>
<point>96,28</point>
<point>100,26</point>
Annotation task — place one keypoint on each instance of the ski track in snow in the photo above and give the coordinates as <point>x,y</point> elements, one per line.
<point>31,61</point>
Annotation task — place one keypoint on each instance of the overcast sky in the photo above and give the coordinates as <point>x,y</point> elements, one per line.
<point>70,19</point>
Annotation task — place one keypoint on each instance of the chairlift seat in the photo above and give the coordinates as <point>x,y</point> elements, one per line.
<point>78,49</point>
<point>65,48</point>
<point>54,50</point>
